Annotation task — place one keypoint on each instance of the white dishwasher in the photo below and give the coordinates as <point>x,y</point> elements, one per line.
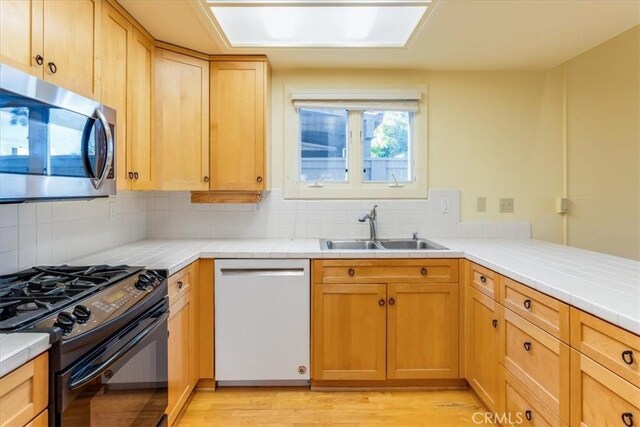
<point>262,322</point>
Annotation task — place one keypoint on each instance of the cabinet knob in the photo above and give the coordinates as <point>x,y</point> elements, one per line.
<point>627,357</point>
<point>135,175</point>
<point>527,346</point>
<point>527,304</point>
<point>528,414</point>
<point>259,179</point>
<point>381,302</point>
<point>39,59</point>
<point>351,272</point>
<point>392,301</point>
<point>494,322</point>
<point>53,67</point>
<point>179,285</point>
<point>483,279</point>
<point>205,179</point>
<point>423,271</point>
<point>627,419</point>
<point>130,175</point>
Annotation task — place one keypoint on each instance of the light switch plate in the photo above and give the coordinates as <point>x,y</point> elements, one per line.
<point>445,205</point>
<point>112,211</point>
<point>482,204</point>
<point>506,205</point>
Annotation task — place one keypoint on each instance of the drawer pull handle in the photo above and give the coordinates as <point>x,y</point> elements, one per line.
<point>179,285</point>
<point>527,304</point>
<point>259,179</point>
<point>627,419</point>
<point>423,271</point>
<point>527,346</point>
<point>205,179</point>
<point>494,322</point>
<point>392,301</point>
<point>627,357</point>
<point>483,279</point>
<point>381,302</point>
<point>351,272</point>
<point>528,415</point>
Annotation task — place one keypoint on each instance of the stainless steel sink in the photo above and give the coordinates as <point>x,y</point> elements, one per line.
<point>349,244</point>
<point>388,244</point>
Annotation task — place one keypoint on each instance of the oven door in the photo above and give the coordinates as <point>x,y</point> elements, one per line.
<point>123,382</point>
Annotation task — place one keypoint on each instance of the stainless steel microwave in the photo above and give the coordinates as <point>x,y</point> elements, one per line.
<point>54,144</point>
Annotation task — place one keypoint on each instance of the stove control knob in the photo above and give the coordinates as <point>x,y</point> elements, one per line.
<point>65,321</point>
<point>82,313</point>
<point>143,282</point>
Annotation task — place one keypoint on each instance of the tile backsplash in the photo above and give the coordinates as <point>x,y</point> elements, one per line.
<point>55,232</point>
<point>172,215</point>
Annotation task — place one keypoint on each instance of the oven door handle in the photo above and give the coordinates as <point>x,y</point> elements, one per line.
<point>83,377</point>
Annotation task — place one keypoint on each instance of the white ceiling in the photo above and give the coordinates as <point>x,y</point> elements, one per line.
<point>457,35</point>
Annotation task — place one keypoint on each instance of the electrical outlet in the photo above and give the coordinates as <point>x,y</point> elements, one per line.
<point>445,205</point>
<point>482,204</point>
<point>506,205</point>
<point>112,211</point>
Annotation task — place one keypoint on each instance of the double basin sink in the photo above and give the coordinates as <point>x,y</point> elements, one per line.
<point>381,245</point>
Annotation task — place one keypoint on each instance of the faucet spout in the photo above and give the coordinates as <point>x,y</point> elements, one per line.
<point>372,217</point>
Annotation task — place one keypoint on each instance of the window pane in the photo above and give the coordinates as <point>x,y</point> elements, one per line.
<point>386,146</point>
<point>323,144</point>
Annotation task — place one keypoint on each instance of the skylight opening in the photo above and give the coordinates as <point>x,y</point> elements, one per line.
<point>333,24</point>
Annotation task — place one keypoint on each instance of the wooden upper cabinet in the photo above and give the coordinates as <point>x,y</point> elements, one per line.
<point>72,34</point>
<point>349,331</point>
<point>116,40</point>
<point>21,35</point>
<point>483,347</point>
<point>181,122</point>
<point>238,106</point>
<point>140,106</point>
<point>422,331</point>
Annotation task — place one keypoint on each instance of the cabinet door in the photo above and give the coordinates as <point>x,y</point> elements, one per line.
<point>116,39</point>
<point>422,331</point>
<point>237,125</point>
<point>140,105</point>
<point>181,123</point>
<point>483,347</point>
<point>349,331</point>
<point>21,35</point>
<point>71,42</point>
<point>181,351</point>
<point>599,397</point>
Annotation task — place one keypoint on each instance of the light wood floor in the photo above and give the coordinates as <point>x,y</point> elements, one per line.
<point>295,407</point>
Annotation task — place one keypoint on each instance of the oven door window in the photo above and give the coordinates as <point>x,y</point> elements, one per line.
<point>130,392</point>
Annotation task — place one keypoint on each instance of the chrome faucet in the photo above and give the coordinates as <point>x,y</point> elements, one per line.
<point>371,216</point>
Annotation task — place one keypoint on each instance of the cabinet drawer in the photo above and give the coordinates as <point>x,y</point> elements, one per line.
<point>523,408</point>
<point>386,271</point>
<point>539,361</point>
<point>545,312</point>
<point>599,397</point>
<point>180,283</point>
<point>24,392</point>
<point>41,420</point>
<point>609,345</point>
<point>483,279</point>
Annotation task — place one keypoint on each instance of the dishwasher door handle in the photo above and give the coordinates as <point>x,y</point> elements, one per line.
<point>262,272</point>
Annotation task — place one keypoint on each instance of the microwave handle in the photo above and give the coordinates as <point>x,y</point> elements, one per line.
<point>97,183</point>
<point>99,369</point>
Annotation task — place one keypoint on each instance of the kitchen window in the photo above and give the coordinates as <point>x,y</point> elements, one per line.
<point>355,144</point>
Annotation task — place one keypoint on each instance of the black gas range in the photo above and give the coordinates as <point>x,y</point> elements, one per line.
<point>108,329</point>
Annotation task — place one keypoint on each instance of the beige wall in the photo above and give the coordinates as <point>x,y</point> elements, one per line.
<point>603,147</point>
<point>490,134</point>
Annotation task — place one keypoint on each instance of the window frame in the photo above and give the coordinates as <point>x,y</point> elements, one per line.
<point>355,187</point>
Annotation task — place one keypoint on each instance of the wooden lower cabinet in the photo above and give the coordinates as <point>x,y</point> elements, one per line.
<point>482,346</point>
<point>24,393</point>
<point>599,397</point>
<point>349,331</point>
<point>523,408</point>
<point>422,331</point>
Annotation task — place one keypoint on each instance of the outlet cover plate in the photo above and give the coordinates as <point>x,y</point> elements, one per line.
<point>506,205</point>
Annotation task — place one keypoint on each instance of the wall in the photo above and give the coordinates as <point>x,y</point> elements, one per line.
<point>490,134</point>
<point>56,232</point>
<point>603,147</point>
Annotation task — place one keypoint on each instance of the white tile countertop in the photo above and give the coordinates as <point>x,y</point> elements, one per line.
<point>603,285</point>
<point>16,349</point>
